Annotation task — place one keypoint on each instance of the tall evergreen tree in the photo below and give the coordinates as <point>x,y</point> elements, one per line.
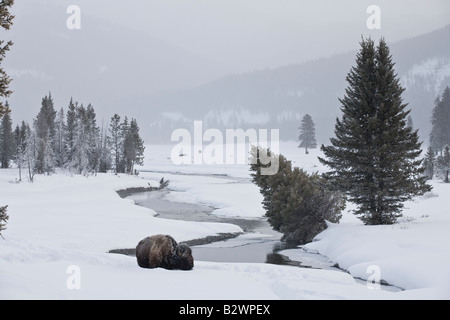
<point>105,153</point>
<point>45,119</point>
<point>71,122</point>
<point>60,139</point>
<point>307,135</point>
<point>7,142</point>
<point>374,156</point>
<point>123,133</point>
<point>428,163</point>
<point>6,19</point>
<point>44,126</point>
<point>440,120</point>
<point>443,163</point>
<point>93,139</point>
<point>115,140</point>
<point>133,147</point>
<point>80,152</point>
<point>20,136</point>
<point>31,152</point>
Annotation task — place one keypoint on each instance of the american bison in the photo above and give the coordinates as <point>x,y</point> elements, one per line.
<point>162,251</point>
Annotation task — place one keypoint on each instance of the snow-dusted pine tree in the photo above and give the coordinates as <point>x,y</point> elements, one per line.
<point>115,140</point>
<point>93,139</point>
<point>5,21</point>
<point>71,120</point>
<point>20,136</point>
<point>31,152</point>
<point>105,153</point>
<point>374,157</point>
<point>80,152</point>
<point>307,135</point>
<point>60,139</point>
<point>428,163</point>
<point>44,126</point>
<point>7,143</point>
<point>443,164</point>
<point>133,147</point>
<point>440,120</point>
<point>297,204</point>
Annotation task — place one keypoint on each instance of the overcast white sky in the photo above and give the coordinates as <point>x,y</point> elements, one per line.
<point>254,34</point>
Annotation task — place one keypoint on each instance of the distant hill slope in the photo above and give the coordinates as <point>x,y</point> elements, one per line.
<point>99,64</point>
<point>280,97</point>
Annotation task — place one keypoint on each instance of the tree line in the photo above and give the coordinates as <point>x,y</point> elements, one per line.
<point>437,158</point>
<point>70,140</point>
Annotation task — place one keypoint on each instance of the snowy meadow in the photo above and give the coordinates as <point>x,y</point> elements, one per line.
<point>62,226</point>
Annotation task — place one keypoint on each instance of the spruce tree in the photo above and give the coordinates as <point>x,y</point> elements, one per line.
<point>31,152</point>
<point>93,139</point>
<point>71,120</point>
<point>5,22</point>
<point>44,126</point>
<point>133,147</point>
<point>105,153</point>
<point>80,152</point>
<point>374,156</point>
<point>443,163</point>
<point>297,204</point>
<point>428,163</point>
<point>123,133</point>
<point>115,140</point>
<point>60,139</point>
<point>307,135</point>
<point>45,119</point>
<point>20,136</point>
<point>7,142</point>
<point>440,120</point>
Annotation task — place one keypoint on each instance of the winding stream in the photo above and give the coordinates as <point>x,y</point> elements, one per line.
<point>259,242</point>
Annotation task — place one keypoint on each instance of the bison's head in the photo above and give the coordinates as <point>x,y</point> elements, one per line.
<point>183,257</point>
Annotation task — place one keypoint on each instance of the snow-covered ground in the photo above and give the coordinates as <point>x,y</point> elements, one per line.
<point>61,228</point>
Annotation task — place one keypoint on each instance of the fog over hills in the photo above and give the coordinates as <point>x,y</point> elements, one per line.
<point>96,64</point>
<point>279,98</point>
<point>166,86</point>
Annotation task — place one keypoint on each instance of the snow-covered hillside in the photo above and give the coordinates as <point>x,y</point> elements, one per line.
<point>430,75</point>
<point>61,228</point>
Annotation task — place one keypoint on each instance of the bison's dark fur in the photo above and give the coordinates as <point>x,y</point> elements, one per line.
<point>164,252</point>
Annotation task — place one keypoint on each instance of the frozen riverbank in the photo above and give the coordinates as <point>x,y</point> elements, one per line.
<point>61,228</point>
